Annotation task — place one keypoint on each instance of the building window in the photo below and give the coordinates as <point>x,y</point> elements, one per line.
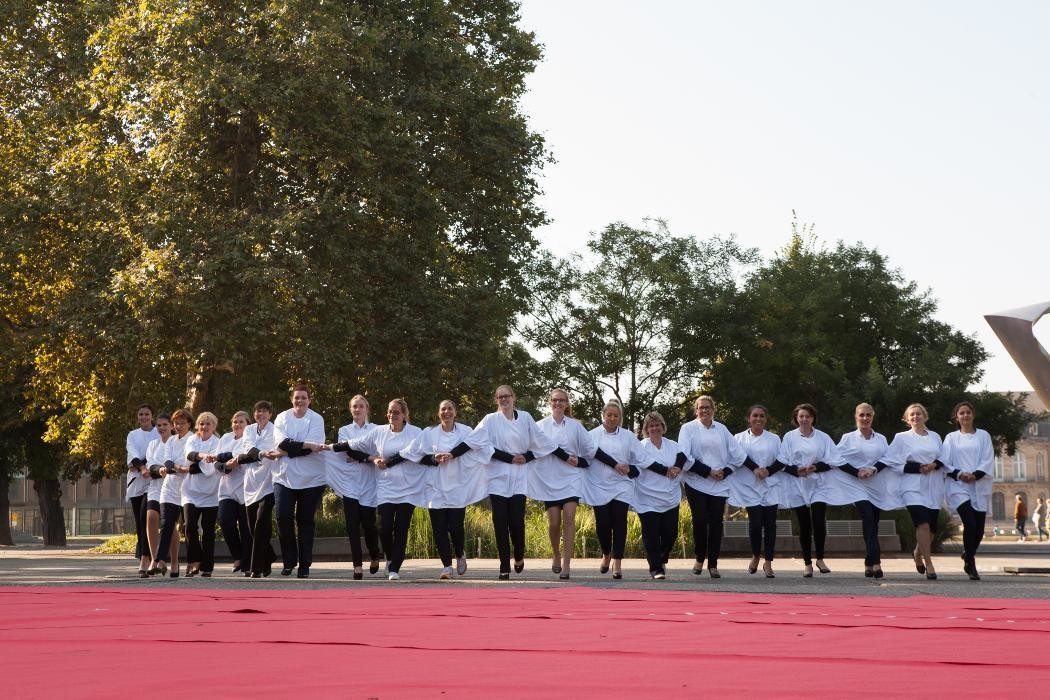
<point>998,506</point>
<point>1040,467</point>
<point>1020,468</point>
<point>1033,429</point>
<point>998,475</point>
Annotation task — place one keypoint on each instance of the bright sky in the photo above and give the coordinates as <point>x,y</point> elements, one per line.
<point>919,128</point>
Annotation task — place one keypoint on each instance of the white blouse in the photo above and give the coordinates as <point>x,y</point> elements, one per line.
<point>747,490</point>
<point>550,477</point>
<point>656,493</point>
<point>602,484</point>
<point>882,489</point>
<point>917,489</point>
<point>231,486</point>
<point>202,490</point>
<point>515,436</point>
<point>156,453</point>
<point>460,481</point>
<point>307,471</point>
<point>348,477</point>
<point>258,475</point>
<point>406,481</point>
<point>716,448</point>
<point>171,489</point>
<point>798,450</point>
<point>970,452</point>
<point>138,441</point>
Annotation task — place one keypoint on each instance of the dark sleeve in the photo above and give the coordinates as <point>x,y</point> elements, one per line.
<point>939,463</point>
<point>850,469</point>
<point>345,447</point>
<point>979,474</point>
<point>395,459</point>
<point>750,463</point>
<point>561,454</point>
<point>604,458</point>
<point>502,456</point>
<point>224,457</point>
<point>194,457</point>
<point>658,468</point>
<point>581,463</point>
<point>632,472</point>
<point>701,469</point>
<point>529,456</point>
<point>680,460</point>
<point>776,466</point>
<point>460,449</point>
<point>791,469</point>
<point>953,475</point>
<point>294,448</point>
<point>169,464</point>
<point>429,461</point>
<point>822,467</point>
<point>726,471</point>
<point>250,456</point>
<point>879,466</point>
<point>195,467</point>
<point>136,464</point>
<point>154,471</point>
<point>912,468</point>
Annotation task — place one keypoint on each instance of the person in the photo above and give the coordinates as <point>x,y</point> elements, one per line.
<point>1039,517</point>
<point>516,440</point>
<point>401,483</point>
<point>758,489</point>
<point>657,492</point>
<point>258,487</point>
<point>611,491</point>
<point>714,456</point>
<point>1021,517</point>
<point>298,480</point>
<point>138,481</point>
<point>200,496</point>
<point>174,471</point>
<point>354,480</point>
<point>969,458</point>
<point>459,456</point>
<point>862,451</point>
<point>233,514</point>
<point>914,454</point>
<point>156,455</point>
<point>808,455</point>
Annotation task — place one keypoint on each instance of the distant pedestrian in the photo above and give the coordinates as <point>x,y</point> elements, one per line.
<point>1040,518</point>
<point>1020,516</point>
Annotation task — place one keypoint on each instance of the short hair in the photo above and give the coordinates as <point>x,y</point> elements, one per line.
<point>653,418</point>
<point>182,414</point>
<point>242,414</point>
<point>299,387</point>
<point>955,411</point>
<point>864,404</point>
<point>807,407</point>
<point>207,417</point>
<point>263,405</point>
<point>757,406</point>
<point>447,401</point>
<point>144,405</point>
<point>402,404</point>
<point>705,397</point>
<point>925,413</point>
<point>164,416</point>
<point>358,397</point>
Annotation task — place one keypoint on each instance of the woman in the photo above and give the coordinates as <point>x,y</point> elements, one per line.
<point>174,472</point>
<point>714,455</point>
<point>156,455</point>
<point>610,491</point>
<point>1039,518</point>
<point>258,487</point>
<point>758,489</point>
<point>557,479</point>
<point>401,484</point>
<point>658,492</point>
<point>354,480</point>
<point>458,479</point>
<point>808,455</point>
<point>233,514</point>
<point>1020,517</point>
<point>298,480</point>
<point>516,440</point>
<point>914,455</point>
<point>875,487</point>
<point>970,462</point>
<point>200,496</point>
<point>138,481</point>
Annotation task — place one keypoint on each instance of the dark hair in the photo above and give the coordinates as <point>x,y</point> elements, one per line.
<point>955,411</point>
<point>164,416</point>
<point>808,407</point>
<point>299,387</point>
<point>144,405</point>
<point>758,406</point>
<point>265,405</point>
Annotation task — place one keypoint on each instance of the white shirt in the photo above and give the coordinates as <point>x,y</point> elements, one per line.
<point>171,489</point>
<point>550,477</point>
<point>601,483</point>
<point>202,490</point>
<point>746,489</point>
<point>307,471</point>
<point>515,436</point>
<point>917,489</point>
<point>258,476</point>
<point>716,448</point>
<point>231,486</point>
<point>798,450</point>
<point>406,481</point>
<point>970,452</point>
<point>883,489</point>
<point>348,477</point>
<point>655,493</point>
<point>460,481</point>
<point>138,441</point>
<point>156,453</point>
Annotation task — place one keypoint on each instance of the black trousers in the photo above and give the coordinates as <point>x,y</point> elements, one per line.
<point>138,509</point>
<point>708,512</point>
<point>762,530</point>
<point>358,518</point>
<point>169,520</point>
<point>869,523</point>
<point>201,547</point>
<point>296,509</point>
<point>610,521</point>
<point>812,530</point>
<point>260,524</point>
<point>973,529</point>
<point>449,534</point>
<point>394,521</point>
<point>508,520</point>
<point>233,521</point>
<point>659,532</point>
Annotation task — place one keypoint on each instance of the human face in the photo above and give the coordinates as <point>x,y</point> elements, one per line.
<point>505,399</point>
<point>238,423</point>
<point>145,417</point>
<point>757,421</point>
<point>705,411</point>
<point>182,426</point>
<point>611,419</point>
<point>395,416</point>
<point>359,411</point>
<point>300,402</point>
<point>915,419</point>
<point>164,427</point>
<point>559,402</point>
<point>262,417</point>
<point>805,421</point>
<point>205,428</point>
<point>655,431</point>
<point>964,418</point>
<point>447,413</point>
<point>863,418</point>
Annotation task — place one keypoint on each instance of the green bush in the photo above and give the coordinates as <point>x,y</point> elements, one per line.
<point>906,530</point>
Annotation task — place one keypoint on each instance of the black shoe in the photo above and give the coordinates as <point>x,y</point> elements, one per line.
<point>878,573</point>
<point>931,576</point>
<point>236,568</point>
<point>248,574</point>
<point>286,571</point>
<point>205,574</point>
<point>374,566</point>
<point>304,572</point>
<point>504,576</point>
<point>519,566</point>
<point>253,574</point>
<point>358,575</point>
<point>617,575</point>
<point>143,574</point>
<point>267,570</point>
<point>190,573</point>
<point>173,574</point>
<point>869,573</point>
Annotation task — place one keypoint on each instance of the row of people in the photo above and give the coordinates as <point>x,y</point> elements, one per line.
<point>389,470</point>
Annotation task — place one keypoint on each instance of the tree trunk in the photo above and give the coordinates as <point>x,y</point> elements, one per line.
<point>5,510</point>
<point>204,386</point>
<point>49,495</point>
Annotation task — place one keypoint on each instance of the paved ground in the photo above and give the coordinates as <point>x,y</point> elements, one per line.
<point>38,566</point>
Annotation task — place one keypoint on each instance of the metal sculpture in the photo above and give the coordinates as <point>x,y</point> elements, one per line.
<point>1014,329</point>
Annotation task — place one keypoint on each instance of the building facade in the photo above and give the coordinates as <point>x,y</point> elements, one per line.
<point>1024,473</point>
<point>90,509</point>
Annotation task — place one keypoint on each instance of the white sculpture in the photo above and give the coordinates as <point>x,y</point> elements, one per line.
<point>1014,329</point>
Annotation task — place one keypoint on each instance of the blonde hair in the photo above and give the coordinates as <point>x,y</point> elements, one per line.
<point>864,404</point>
<point>359,397</point>
<point>653,418</point>
<point>925,413</point>
<point>242,414</point>
<point>208,417</point>
<point>568,399</point>
<point>704,397</point>
<point>402,404</point>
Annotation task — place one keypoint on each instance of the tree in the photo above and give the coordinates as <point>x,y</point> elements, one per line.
<point>640,320</point>
<point>202,203</point>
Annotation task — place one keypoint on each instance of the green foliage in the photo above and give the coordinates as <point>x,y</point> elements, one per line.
<point>946,530</point>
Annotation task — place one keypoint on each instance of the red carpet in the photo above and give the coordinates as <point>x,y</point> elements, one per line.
<point>415,641</point>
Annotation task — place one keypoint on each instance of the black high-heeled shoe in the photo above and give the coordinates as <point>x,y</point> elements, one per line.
<point>617,575</point>
<point>254,574</point>
<point>358,575</point>
<point>931,576</point>
<point>504,576</point>
<point>236,568</point>
<point>143,573</point>
<point>869,572</point>
<point>519,566</point>
<point>877,573</point>
<point>286,571</point>
<point>374,566</point>
<point>822,567</point>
